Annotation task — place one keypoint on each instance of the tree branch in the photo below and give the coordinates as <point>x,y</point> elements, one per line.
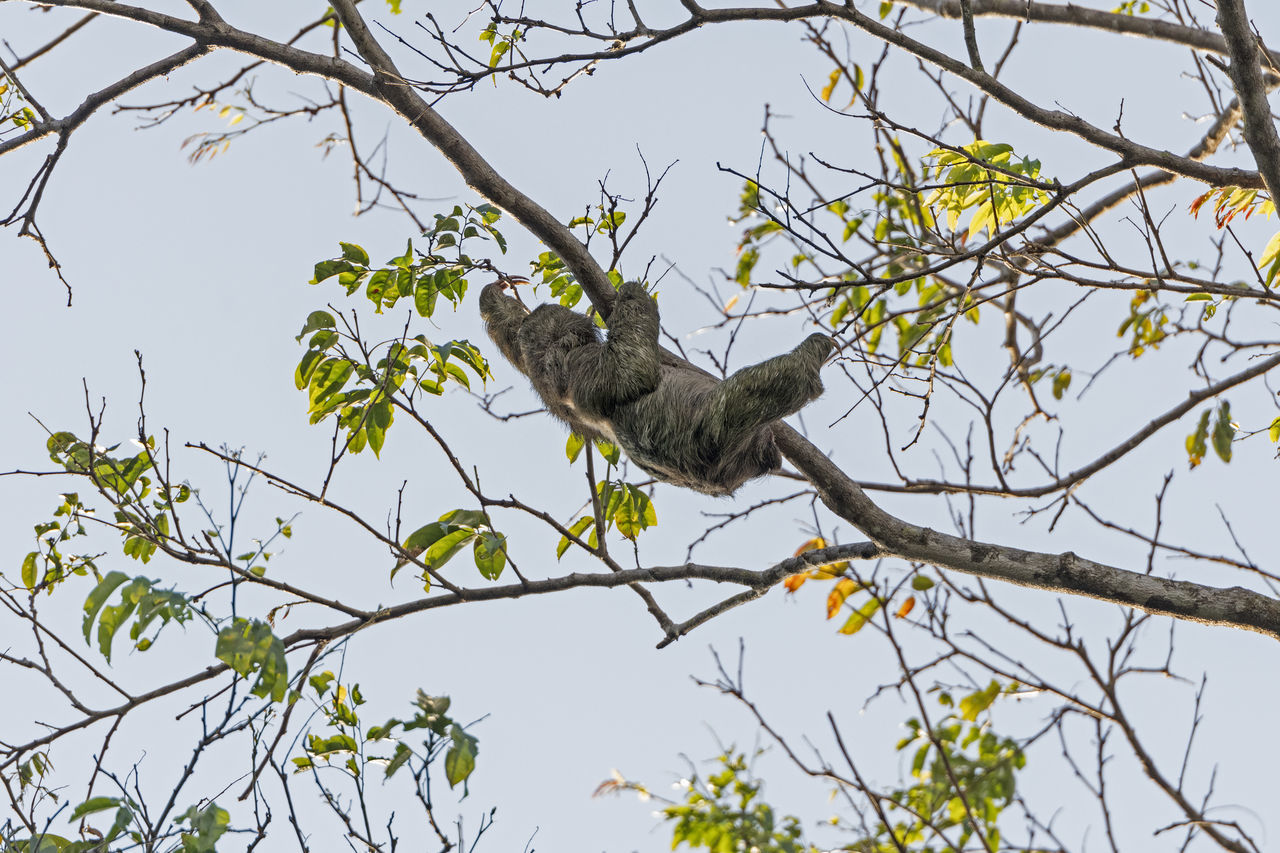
<point>1080,16</point>
<point>1235,606</point>
<point>392,88</point>
<point>1060,573</point>
<point>1246,77</point>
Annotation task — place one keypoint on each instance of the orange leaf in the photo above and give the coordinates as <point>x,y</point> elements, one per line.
<point>1198,202</point>
<point>793,582</point>
<point>906,607</point>
<point>811,545</point>
<point>842,590</point>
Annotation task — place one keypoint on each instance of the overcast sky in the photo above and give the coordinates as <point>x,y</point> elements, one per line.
<point>203,269</point>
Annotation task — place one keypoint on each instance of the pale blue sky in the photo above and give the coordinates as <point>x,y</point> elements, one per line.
<point>203,269</point>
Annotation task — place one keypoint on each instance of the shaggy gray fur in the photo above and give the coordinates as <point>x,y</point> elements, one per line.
<point>679,426</point>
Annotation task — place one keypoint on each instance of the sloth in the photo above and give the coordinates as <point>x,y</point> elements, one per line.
<point>680,426</point>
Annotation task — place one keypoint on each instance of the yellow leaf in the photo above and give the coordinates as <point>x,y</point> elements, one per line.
<point>811,545</point>
<point>983,217</point>
<point>1269,263</point>
<point>860,617</point>
<point>842,590</point>
<point>831,85</point>
<point>728,306</point>
<point>853,624</point>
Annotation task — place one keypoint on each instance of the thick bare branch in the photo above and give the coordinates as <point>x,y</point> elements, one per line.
<point>1081,16</point>
<point>1235,606</point>
<point>1131,153</point>
<point>1246,76</point>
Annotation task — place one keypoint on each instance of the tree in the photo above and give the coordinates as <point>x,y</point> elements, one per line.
<point>938,241</point>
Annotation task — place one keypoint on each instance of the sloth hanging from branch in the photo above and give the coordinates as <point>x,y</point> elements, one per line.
<point>679,426</point>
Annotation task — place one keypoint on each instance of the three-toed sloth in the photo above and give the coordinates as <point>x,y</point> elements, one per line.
<point>680,426</point>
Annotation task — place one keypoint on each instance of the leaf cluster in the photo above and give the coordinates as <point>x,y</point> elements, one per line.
<point>358,746</point>
<point>250,648</point>
<point>987,178</point>
<point>437,543</point>
<point>13,107</point>
<point>622,505</point>
<point>724,813</point>
<point>1220,436</point>
<point>965,777</point>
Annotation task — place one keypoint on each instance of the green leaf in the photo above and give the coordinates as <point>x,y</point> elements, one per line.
<point>1223,432</point>
<point>124,817</point>
<point>746,263</point>
<point>402,754</point>
<point>573,446</point>
<point>94,805</point>
<point>1198,442</point>
<point>860,617</point>
<point>355,254</point>
<point>29,568</point>
<point>424,537</point>
<point>327,379</point>
<point>328,269</point>
<point>1061,382</point>
<point>444,548</point>
<point>376,424</point>
<point>424,296</point>
<point>499,50</point>
<point>634,512</point>
<point>98,597</point>
<point>249,646</point>
<point>975,703</point>
<point>437,543</point>
<point>112,617</point>
<point>460,760</point>
<point>609,451</point>
<point>490,554</point>
<point>611,221</point>
<point>466,518</point>
<point>302,375</point>
<point>317,320</point>
<point>375,290</point>
<point>338,744</point>
<point>458,374</point>
<point>207,825</point>
<point>577,529</point>
<point>321,683</point>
